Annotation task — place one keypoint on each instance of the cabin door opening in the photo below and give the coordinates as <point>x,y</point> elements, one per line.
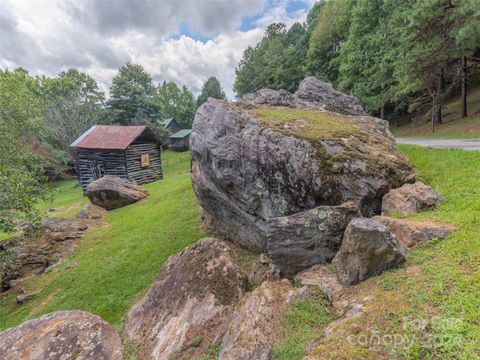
<point>97,169</point>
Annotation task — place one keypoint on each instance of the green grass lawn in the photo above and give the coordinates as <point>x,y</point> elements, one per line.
<point>454,127</point>
<point>117,264</point>
<point>448,286</point>
<point>439,285</point>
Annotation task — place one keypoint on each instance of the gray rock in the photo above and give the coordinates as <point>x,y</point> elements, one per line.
<point>193,295</point>
<point>252,331</point>
<point>313,93</point>
<point>410,199</point>
<point>323,278</point>
<point>62,335</point>
<point>267,97</point>
<point>310,237</point>
<point>59,229</point>
<point>23,256</point>
<point>52,267</point>
<point>90,211</point>
<point>249,166</point>
<point>111,192</point>
<point>413,232</point>
<point>72,264</point>
<point>367,250</point>
<point>22,299</point>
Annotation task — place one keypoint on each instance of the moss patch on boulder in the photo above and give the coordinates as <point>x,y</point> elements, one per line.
<point>305,124</point>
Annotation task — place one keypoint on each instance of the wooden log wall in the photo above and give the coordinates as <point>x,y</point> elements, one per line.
<point>135,170</point>
<point>180,144</point>
<point>111,161</point>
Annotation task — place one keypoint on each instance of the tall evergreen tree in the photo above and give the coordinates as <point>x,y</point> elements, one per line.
<point>211,88</point>
<point>432,45</point>
<point>367,58</point>
<point>132,96</point>
<point>331,30</point>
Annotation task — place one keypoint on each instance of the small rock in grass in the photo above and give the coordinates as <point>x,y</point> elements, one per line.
<point>52,267</point>
<point>264,259</point>
<point>90,211</point>
<point>22,299</point>
<point>72,264</point>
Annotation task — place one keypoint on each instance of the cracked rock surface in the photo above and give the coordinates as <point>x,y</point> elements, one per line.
<point>274,155</point>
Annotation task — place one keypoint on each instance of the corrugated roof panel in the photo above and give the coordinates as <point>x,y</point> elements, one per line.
<point>181,133</point>
<point>108,137</point>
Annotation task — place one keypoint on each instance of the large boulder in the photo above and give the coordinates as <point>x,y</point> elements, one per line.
<point>192,298</point>
<point>111,192</point>
<point>367,250</point>
<point>62,335</point>
<point>252,331</point>
<point>413,232</point>
<point>274,154</point>
<point>410,199</point>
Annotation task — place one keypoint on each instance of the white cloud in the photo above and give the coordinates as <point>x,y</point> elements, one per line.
<point>97,37</point>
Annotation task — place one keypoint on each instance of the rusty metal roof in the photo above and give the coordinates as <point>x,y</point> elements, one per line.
<point>108,137</point>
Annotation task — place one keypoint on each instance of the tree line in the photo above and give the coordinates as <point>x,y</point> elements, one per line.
<point>50,113</point>
<point>41,116</point>
<point>396,56</point>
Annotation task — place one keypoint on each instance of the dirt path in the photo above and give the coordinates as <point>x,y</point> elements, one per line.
<point>469,144</point>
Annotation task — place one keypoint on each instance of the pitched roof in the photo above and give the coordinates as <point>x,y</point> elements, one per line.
<point>166,122</point>
<point>109,137</point>
<point>181,134</point>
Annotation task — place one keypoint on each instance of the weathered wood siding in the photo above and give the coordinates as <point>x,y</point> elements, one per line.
<point>93,164</point>
<point>174,126</point>
<point>180,144</point>
<point>135,170</point>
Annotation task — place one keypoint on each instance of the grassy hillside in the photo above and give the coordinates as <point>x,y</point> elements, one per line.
<point>454,127</point>
<point>118,263</point>
<point>439,286</point>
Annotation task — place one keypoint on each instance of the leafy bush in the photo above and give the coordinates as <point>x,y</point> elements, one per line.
<point>22,182</point>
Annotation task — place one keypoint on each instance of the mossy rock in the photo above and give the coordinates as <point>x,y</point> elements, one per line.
<point>276,154</point>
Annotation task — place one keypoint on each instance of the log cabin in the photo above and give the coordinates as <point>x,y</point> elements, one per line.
<point>171,124</point>
<point>129,152</point>
<point>181,140</point>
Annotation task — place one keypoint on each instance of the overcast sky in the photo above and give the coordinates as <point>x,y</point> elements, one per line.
<point>184,41</point>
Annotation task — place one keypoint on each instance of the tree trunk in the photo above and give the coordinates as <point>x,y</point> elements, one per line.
<point>382,112</point>
<point>464,86</point>
<point>437,100</point>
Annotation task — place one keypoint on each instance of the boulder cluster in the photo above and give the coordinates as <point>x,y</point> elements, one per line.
<point>285,173</point>
<point>293,181</point>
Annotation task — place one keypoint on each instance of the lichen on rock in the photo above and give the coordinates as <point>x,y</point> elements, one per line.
<point>275,154</point>
<point>193,296</point>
